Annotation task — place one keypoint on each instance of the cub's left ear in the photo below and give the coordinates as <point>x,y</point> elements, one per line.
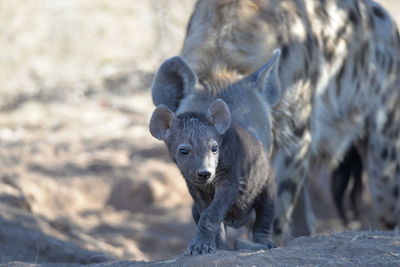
<point>267,80</point>
<point>161,122</point>
<point>219,115</point>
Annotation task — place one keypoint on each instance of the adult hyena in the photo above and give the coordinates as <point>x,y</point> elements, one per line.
<point>340,75</point>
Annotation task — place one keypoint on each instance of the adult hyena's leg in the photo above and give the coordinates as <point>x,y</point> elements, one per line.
<point>303,215</point>
<point>384,167</point>
<point>293,213</point>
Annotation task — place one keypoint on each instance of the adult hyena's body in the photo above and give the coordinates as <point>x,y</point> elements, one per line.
<point>340,72</point>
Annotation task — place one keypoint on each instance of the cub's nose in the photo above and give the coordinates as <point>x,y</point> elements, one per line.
<point>204,174</point>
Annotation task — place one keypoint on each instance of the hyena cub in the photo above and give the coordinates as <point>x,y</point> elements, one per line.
<point>220,139</point>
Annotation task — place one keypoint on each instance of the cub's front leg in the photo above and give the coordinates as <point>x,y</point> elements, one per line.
<point>260,225</point>
<point>220,239</point>
<point>264,207</point>
<point>209,223</point>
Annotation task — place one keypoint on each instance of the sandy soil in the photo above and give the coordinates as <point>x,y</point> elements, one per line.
<point>82,181</point>
<point>337,249</point>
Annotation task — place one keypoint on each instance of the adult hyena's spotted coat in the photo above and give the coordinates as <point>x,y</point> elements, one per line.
<point>340,72</point>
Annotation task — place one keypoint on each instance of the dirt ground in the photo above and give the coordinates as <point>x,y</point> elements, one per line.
<point>81,180</point>
<point>336,249</point>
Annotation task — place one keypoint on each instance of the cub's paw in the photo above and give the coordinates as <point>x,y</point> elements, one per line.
<point>268,244</point>
<point>198,247</point>
<point>250,245</point>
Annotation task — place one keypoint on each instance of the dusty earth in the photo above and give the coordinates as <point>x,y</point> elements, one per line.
<point>81,180</point>
<point>338,249</point>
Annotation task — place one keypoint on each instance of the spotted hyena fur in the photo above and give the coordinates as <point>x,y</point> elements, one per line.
<point>340,72</point>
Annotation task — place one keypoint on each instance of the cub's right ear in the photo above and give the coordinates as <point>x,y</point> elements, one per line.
<point>173,81</point>
<point>219,115</point>
<point>161,122</point>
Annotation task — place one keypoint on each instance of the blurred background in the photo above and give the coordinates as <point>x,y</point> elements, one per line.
<point>81,178</point>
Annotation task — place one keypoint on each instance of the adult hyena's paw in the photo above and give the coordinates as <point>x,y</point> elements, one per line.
<point>250,245</point>
<point>198,247</point>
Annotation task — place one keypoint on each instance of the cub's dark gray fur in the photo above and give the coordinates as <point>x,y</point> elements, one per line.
<point>221,140</point>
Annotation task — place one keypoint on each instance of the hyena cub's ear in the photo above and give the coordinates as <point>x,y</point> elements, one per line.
<point>267,80</point>
<point>173,80</point>
<point>219,115</point>
<point>161,122</point>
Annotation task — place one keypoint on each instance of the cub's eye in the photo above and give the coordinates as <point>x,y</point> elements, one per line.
<point>214,149</point>
<point>183,151</point>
